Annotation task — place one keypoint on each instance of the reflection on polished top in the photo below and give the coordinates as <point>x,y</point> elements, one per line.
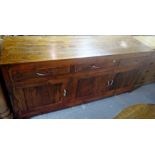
<point>147,40</point>
<point>23,49</point>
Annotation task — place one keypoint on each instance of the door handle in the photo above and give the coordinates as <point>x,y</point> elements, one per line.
<point>110,83</point>
<point>65,92</point>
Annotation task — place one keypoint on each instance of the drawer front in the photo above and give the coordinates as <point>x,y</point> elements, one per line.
<point>133,62</point>
<point>96,65</point>
<point>19,75</point>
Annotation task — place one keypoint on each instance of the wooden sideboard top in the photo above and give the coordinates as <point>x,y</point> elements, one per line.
<point>147,40</point>
<point>23,49</point>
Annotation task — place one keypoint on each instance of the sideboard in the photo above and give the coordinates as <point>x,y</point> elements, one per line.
<point>48,73</point>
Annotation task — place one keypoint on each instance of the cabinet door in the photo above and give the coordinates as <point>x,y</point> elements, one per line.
<point>90,87</point>
<point>38,97</point>
<point>86,87</point>
<point>124,81</point>
<point>148,76</point>
<point>105,84</point>
<point>148,73</point>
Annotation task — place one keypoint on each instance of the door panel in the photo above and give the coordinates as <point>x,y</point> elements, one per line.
<point>86,87</point>
<point>93,86</point>
<point>37,96</point>
<point>147,72</point>
<point>148,76</point>
<point>105,84</point>
<point>124,81</point>
<point>43,95</point>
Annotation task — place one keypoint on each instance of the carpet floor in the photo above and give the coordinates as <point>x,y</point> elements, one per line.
<point>105,108</point>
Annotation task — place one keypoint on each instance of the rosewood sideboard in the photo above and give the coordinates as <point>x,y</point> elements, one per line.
<point>48,73</point>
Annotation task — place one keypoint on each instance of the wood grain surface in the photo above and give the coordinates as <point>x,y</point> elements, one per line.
<point>147,40</point>
<point>23,49</point>
<point>48,73</point>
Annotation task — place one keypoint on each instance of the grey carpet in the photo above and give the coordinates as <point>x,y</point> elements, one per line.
<point>104,108</point>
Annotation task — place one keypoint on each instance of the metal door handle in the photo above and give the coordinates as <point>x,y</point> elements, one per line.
<point>65,92</point>
<point>110,83</point>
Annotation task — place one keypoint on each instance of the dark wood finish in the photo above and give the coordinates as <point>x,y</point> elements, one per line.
<point>19,75</point>
<point>147,74</point>
<point>104,64</point>
<point>37,95</point>
<point>125,81</point>
<point>35,85</point>
<point>26,49</point>
<point>105,84</point>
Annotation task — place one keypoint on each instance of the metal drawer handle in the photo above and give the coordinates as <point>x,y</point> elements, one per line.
<point>41,74</point>
<point>94,66</point>
<point>114,61</point>
<point>65,92</point>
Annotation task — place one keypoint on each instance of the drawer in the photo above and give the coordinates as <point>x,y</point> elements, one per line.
<point>96,65</point>
<point>18,75</point>
<point>133,62</point>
